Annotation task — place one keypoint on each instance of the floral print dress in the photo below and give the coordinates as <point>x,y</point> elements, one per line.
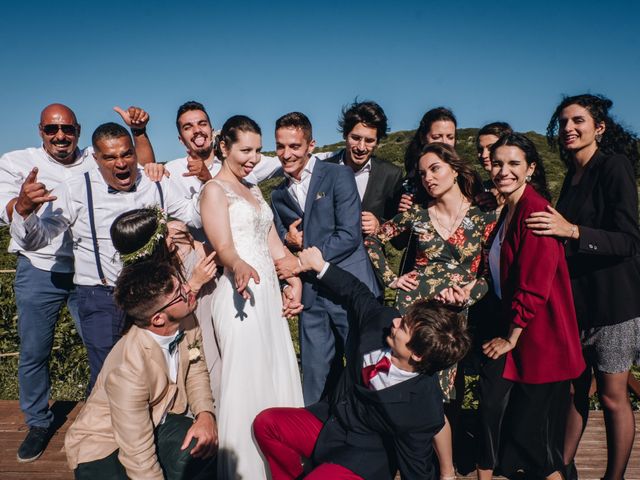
<point>439,263</point>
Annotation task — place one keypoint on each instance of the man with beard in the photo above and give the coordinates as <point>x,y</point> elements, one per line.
<point>187,174</point>
<point>44,277</point>
<point>379,182</point>
<point>83,208</point>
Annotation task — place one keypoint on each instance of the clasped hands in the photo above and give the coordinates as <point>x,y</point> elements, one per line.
<point>456,295</point>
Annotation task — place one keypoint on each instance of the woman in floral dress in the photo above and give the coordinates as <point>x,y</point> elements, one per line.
<point>450,233</point>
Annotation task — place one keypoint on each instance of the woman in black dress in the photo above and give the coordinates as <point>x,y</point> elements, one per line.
<point>597,215</point>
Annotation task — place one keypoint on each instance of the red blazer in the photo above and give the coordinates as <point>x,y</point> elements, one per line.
<point>536,295</point>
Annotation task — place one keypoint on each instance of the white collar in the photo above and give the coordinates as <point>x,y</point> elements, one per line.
<point>162,340</point>
<point>306,171</point>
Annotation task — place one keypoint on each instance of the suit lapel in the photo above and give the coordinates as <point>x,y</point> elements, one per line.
<point>585,187</point>
<point>285,197</point>
<point>374,184</point>
<point>314,187</point>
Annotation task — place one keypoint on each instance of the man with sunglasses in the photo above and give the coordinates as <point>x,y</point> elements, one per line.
<point>44,277</point>
<point>134,424</point>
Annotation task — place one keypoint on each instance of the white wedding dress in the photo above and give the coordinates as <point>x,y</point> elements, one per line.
<point>259,368</point>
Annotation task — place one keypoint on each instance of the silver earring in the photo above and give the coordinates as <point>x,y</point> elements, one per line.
<point>527,179</point>
<point>598,137</point>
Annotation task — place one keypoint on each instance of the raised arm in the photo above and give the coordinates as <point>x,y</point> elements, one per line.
<point>31,231</point>
<point>137,119</point>
<point>214,209</point>
<point>341,283</point>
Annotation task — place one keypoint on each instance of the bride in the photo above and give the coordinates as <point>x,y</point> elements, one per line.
<point>259,368</point>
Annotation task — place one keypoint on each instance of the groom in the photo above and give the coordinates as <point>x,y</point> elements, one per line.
<point>318,206</point>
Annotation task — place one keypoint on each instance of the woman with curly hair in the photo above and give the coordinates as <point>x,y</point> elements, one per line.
<point>597,216</point>
<point>449,234</point>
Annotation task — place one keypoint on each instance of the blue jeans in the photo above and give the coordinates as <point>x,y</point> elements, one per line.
<point>102,322</point>
<point>39,297</point>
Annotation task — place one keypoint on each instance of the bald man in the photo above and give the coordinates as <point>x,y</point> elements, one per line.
<point>44,278</point>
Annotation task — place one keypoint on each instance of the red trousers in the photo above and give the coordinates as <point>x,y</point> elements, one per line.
<point>287,434</point>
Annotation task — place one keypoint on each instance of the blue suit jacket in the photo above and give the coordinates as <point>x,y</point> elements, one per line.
<point>331,222</point>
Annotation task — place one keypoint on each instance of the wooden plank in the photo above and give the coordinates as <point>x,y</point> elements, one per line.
<point>591,457</point>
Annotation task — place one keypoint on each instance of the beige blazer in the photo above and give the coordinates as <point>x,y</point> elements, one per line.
<point>130,397</point>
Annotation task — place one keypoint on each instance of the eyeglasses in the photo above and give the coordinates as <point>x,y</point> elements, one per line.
<point>181,296</point>
<point>52,129</point>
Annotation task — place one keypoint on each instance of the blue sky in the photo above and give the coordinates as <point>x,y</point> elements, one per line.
<point>500,60</point>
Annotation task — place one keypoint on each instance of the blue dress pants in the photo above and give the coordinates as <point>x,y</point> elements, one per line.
<point>102,323</point>
<point>39,297</point>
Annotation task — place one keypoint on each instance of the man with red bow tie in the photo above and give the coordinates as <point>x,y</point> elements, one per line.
<point>387,406</point>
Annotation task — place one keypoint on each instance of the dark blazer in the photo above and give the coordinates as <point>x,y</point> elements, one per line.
<point>372,433</point>
<point>331,222</point>
<point>604,262</point>
<point>536,295</point>
<point>384,187</point>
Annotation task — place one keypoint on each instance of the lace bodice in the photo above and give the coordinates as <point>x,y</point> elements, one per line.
<point>250,227</point>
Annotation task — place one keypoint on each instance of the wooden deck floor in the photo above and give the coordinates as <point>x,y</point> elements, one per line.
<point>591,457</point>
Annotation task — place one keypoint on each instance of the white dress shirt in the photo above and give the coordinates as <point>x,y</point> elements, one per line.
<point>70,212</point>
<point>171,359</point>
<point>299,188</point>
<point>388,379</point>
<point>362,176</point>
<point>14,168</point>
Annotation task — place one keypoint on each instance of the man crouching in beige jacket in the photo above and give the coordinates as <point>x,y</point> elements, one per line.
<point>134,424</point>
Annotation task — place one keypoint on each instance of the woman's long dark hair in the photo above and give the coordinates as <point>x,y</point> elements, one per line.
<point>518,140</point>
<point>615,139</point>
<point>413,153</point>
<point>468,179</point>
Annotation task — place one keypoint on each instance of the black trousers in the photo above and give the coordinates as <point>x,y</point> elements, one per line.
<point>521,425</point>
<point>176,464</point>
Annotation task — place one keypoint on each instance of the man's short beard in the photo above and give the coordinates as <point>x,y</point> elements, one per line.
<point>204,153</point>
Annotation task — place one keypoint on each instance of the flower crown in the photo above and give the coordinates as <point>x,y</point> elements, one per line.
<point>148,248</point>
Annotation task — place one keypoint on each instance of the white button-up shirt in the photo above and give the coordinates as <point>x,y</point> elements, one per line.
<point>299,188</point>
<point>362,176</point>
<point>70,212</point>
<point>388,379</point>
<point>14,168</point>
<point>171,359</point>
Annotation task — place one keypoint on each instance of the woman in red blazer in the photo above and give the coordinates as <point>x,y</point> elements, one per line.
<point>541,347</point>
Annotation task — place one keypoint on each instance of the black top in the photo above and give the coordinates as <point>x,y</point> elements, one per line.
<point>603,263</point>
<point>373,433</point>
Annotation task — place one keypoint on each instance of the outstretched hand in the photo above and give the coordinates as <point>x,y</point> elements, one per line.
<point>134,117</point>
<point>243,273</point>
<point>311,259</point>
<point>32,195</point>
<point>197,168</point>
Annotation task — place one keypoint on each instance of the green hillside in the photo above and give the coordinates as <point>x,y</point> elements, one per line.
<point>392,148</point>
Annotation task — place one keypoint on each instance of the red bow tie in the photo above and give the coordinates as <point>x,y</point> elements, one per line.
<point>371,371</point>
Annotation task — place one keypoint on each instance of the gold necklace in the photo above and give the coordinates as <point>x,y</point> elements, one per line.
<point>451,229</point>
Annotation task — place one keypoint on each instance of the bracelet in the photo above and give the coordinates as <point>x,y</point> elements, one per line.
<point>573,230</point>
<point>136,132</point>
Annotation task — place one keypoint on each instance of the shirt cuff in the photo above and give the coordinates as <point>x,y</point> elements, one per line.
<point>323,271</point>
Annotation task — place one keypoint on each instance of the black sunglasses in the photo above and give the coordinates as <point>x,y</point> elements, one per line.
<point>181,296</point>
<point>52,129</point>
